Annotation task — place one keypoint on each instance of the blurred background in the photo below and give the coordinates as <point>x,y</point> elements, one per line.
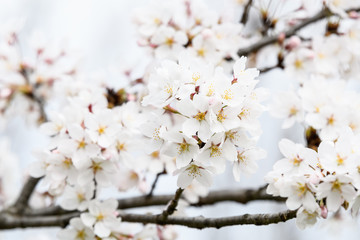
<point>103,35</point>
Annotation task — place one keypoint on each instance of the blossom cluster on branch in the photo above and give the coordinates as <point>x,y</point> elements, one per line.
<point>193,112</point>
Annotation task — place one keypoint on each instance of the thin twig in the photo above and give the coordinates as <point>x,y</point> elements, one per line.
<point>267,69</point>
<point>153,186</point>
<point>245,15</point>
<point>292,31</point>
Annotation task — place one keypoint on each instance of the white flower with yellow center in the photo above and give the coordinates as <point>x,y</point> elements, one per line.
<point>197,111</point>
<point>194,171</point>
<point>102,217</point>
<point>216,152</point>
<point>298,159</point>
<point>336,189</point>
<point>183,148</point>
<point>77,231</point>
<point>169,42</point>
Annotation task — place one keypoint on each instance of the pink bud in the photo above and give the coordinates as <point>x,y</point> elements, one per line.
<point>207,33</point>
<point>142,43</point>
<point>116,213</point>
<point>143,186</point>
<point>324,212</point>
<point>354,15</point>
<point>292,43</point>
<point>281,37</point>
<point>314,179</point>
<point>5,92</point>
<point>131,97</point>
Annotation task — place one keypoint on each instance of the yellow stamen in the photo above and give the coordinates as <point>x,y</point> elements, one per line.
<point>120,147</point>
<point>298,64</point>
<point>183,147</point>
<point>196,76</point>
<point>227,94</point>
<point>81,234</point>
<point>101,130</point>
<point>169,41</point>
<point>193,171</point>
<point>200,116</point>
<point>215,151</point>
<point>221,116</point>
<point>155,154</point>
<point>81,144</point>
<point>336,185</point>
<point>201,52</point>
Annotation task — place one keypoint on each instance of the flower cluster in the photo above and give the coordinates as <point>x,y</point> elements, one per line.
<point>319,55</point>
<point>321,104</point>
<point>28,80</point>
<point>214,118</point>
<point>317,183</point>
<point>168,28</point>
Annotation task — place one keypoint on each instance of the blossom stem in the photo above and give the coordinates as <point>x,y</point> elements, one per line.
<point>245,15</point>
<point>153,186</point>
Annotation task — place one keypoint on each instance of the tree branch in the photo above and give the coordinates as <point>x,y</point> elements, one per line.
<point>23,199</point>
<point>201,222</point>
<point>9,221</point>
<point>292,31</point>
<point>242,196</point>
<point>55,216</point>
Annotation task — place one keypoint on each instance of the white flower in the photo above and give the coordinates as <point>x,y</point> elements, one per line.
<point>164,85</point>
<point>300,193</point>
<point>169,43</point>
<point>297,158</point>
<point>77,231</point>
<point>288,105</point>
<point>197,111</point>
<point>246,161</point>
<point>194,171</point>
<point>299,63</point>
<point>79,145</point>
<point>216,152</point>
<point>339,6</point>
<point>61,167</point>
<point>204,47</point>
<point>337,157</point>
<point>336,189</point>
<point>55,126</point>
<point>77,197</point>
<point>194,191</point>
<point>99,170</point>
<point>329,121</point>
<point>102,217</point>
<point>224,118</point>
<point>305,218</point>
<point>101,127</point>
<point>181,147</point>
<point>241,73</point>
